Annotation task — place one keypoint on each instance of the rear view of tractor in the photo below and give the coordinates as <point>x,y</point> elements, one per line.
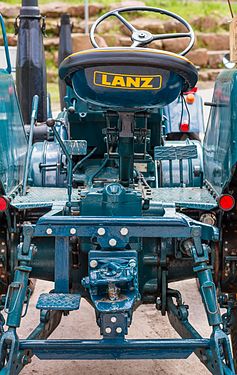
<point>116,197</point>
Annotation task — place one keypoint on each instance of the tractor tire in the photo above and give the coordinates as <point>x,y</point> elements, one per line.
<point>234,335</point>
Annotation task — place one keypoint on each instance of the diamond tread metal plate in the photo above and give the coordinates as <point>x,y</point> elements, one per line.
<point>185,197</point>
<point>175,152</point>
<point>58,301</point>
<point>43,197</point>
<point>182,197</point>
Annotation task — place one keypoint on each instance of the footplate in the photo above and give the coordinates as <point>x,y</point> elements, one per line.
<point>59,301</point>
<point>175,152</point>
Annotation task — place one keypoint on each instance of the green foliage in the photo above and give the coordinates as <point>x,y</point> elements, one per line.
<point>54,93</point>
<point>185,8</point>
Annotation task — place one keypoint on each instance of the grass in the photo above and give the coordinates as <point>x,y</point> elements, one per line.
<point>53,90</point>
<point>184,8</point>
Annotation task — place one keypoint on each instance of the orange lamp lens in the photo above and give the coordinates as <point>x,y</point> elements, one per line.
<point>190,98</point>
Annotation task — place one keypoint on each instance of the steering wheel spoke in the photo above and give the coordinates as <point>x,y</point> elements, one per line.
<point>128,25</point>
<point>171,36</point>
<point>136,44</point>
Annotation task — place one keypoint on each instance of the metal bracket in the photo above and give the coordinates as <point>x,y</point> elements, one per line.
<point>114,326</point>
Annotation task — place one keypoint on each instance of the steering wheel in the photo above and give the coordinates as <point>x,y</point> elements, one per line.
<point>142,38</point>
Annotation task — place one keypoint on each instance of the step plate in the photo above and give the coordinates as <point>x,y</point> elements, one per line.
<point>175,152</point>
<point>58,301</point>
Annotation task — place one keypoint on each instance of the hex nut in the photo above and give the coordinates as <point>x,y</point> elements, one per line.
<point>124,231</point>
<point>112,242</point>
<point>73,231</point>
<point>101,231</point>
<point>93,263</point>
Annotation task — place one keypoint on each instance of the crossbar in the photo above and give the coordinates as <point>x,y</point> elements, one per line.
<point>114,349</point>
<point>170,226</point>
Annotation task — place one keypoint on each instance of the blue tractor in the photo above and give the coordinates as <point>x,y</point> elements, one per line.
<point>115,198</point>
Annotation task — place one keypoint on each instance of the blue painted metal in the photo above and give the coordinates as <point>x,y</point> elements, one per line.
<point>169,86</point>
<point>178,317</point>
<point>13,142</point>
<point>47,167</point>
<point>76,147</point>
<point>34,114</point>
<point>177,112</point>
<point>58,301</point>
<point>61,265</point>
<point>114,238</point>
<point>186,197</point>
<point>119,349</point>
<point>173,226</point>
<point>113,271</point>
<point>179,163</point>
<point>220,146</point>
<point>7,54</point>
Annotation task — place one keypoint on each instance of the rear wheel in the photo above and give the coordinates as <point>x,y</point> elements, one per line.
<point>234,335</point>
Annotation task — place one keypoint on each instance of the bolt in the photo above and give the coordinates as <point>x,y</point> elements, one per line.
<point>196,232</point>
<point>112,242</point>
<point>101,231</point>
<point>25,360</point>
<point>124,231</point>
<point>73,231</point>
<point>93,263</point>
<point>119,330</point>
<point>113,319</point>
<point>132,263</point>
<point>49,231</point>
<point>50,122</point>
<point>108,330</point>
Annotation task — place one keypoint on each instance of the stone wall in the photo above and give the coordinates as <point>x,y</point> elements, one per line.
<point>212,36</point>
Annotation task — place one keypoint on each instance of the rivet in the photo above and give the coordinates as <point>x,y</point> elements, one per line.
<point>132,263</point>
<point>108,330</point>
<point>124,231</point>
<point>101,231</point>
<point>113,319</point>
<point>49,231</point>
<point>93,263</point>
<point>112,242</point>
<point>119,330</point>
<point>73,231</point>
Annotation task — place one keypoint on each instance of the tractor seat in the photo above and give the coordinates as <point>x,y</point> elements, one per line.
<point>128,78</point>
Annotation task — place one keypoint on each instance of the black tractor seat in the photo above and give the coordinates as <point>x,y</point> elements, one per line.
<point>161,75</point>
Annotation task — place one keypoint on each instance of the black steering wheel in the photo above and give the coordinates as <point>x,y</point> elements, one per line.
<point>142,38</point>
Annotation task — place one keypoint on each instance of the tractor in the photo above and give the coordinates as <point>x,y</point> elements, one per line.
<point>115,197</point>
